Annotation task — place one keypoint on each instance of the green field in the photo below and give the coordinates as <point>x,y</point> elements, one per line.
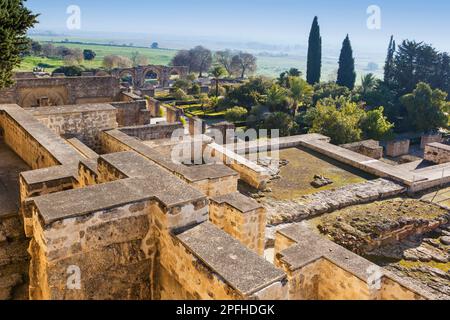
<point>267,65</point>
<point>155,56</point>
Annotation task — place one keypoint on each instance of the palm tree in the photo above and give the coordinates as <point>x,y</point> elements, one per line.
<point>218,72</point>
<point>301,92</point>
<point>368,82</point>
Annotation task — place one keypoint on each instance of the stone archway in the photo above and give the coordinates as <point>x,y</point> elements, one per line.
<point>127,77</point>
<point>43,97</point>
<point>151,76</point>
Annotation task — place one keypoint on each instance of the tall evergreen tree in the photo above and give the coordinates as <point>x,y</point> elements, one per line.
<point>314,54</point>
<point>15,20</point>
<point>389,66</point>
<point>346,73</point>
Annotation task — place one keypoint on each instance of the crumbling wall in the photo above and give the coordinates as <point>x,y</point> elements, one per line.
<point>104,251</point>
<point>132,113</point>
<point>437,153</point>
<point>14,259</point>
<point>27,92</point>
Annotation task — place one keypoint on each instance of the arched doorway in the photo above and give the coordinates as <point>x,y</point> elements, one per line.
<point>127,79</point>
<point>151,77</point>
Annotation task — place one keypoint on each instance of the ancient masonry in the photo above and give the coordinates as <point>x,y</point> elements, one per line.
<point>96,212</point>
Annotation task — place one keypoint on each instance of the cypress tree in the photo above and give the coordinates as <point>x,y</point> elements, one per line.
<point>314,54</point>
<point>346,73</point>
<point>15,20</point>
<point>389,66</point>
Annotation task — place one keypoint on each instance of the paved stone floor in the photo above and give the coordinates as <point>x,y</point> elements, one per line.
<point>10,167</point>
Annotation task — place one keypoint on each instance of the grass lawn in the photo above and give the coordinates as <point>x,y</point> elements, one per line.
<point>303,166</point>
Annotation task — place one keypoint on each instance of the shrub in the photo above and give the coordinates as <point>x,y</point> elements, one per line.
<point>236,114</point>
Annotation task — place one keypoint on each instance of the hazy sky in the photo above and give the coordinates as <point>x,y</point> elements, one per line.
<point>272,21</point>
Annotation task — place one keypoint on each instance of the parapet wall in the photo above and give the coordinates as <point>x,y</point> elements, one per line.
<point>83,122</point>
<point>318,269</point>
<point>153,131</point>
<point>61,91</point>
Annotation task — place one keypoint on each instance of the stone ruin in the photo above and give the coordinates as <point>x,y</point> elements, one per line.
<point>96,211</point>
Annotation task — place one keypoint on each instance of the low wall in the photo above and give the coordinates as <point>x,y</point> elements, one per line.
<point>426,139</point>
<point>397,148</point>
<point>369,148</point>
<point>437,153</point>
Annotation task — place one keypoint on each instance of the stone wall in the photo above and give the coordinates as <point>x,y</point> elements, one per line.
<point>433,138</point>
<point>318,269</point>
<point>132,113</point>
<point>153,131</point>
<point>241,217</point>
<point>32,141</point>
<point>14,259</point>
<point>83,122</point>
<point>369,148</point>
<point>437,153</point>
<point>212,180</point>
<point>61,91</point>
<point>154,106</point>
<point>397,148</point>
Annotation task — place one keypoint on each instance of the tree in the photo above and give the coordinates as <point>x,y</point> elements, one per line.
<point>368,83</point>
<point>244,64</point>
<point>346,73</point>
<point>340,124</point>
<point>314,54</point>
<point>329,90</point>
<point>278,99</point>
<point>138,59</point>
<point>114,61</point>
<point>182,58</point>
<point>15,20</point>
<point>198,59</point>
<point>236,114</point>
<point>70,71</point>
<point>89,55</point>
<point>389,65</point>
<point>48,50</point>
<point>301,92</point>
<point>425,108</point>
<point>375,125</point>
<point>224,59</point>
<point>155,45</point>
<point>202,60</point>
<point>218,72</point>
<point>249,94</point>
<point>36,48</point>
<point>280,121</point>
<point>283,79</point>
